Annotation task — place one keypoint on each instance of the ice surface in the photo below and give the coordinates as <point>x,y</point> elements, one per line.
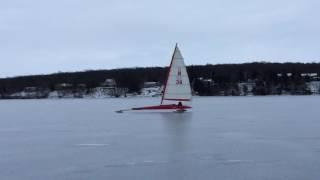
<point>222,138</point>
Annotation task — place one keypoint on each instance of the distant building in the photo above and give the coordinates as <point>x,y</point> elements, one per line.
<point>121,92</point>
<point>309,74</point>
<point>151,84</point>
<point>206,82</point>
<point>110,91</point>
<point>151,91</point>
<point>63,86</point>
<point>109,88</point>
<point>30,89</point>
<point>31,93</point>
<point>109,83</point>
<point>284,74</point>
<point>246,88</point>
<point>314,87</point>
<point>312,76</point>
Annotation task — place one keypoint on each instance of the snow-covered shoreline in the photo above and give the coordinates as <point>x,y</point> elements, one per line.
<point>155,91</point>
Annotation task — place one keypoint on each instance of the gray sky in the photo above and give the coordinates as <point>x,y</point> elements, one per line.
<point>42,36</point>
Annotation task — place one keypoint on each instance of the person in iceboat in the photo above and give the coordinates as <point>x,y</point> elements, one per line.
<point>179,105</point>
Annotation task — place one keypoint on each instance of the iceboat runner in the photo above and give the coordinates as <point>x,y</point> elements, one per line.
<point>177,90</point>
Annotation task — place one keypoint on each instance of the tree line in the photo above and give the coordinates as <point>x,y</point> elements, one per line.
<point>225,77</point>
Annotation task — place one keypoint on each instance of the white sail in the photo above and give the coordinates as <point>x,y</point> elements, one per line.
<point>177,87</point>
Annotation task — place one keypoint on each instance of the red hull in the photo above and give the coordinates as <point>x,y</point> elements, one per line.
<point>163,107</point>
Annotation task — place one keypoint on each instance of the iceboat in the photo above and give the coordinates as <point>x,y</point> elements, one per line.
<point>177,91</point>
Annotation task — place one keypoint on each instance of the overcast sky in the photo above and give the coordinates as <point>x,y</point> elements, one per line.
<point>42,36</point>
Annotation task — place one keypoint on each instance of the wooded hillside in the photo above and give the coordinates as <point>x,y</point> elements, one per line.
<point>224,76</point>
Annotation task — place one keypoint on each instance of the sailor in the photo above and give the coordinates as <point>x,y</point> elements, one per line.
<point>179,104</point>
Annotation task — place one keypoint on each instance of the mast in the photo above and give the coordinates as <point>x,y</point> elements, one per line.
<point>168,73</point>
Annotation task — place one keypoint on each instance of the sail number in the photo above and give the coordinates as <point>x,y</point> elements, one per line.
<point>179,78</point>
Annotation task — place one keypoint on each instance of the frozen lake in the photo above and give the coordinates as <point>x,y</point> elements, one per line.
<point>224,138</point>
